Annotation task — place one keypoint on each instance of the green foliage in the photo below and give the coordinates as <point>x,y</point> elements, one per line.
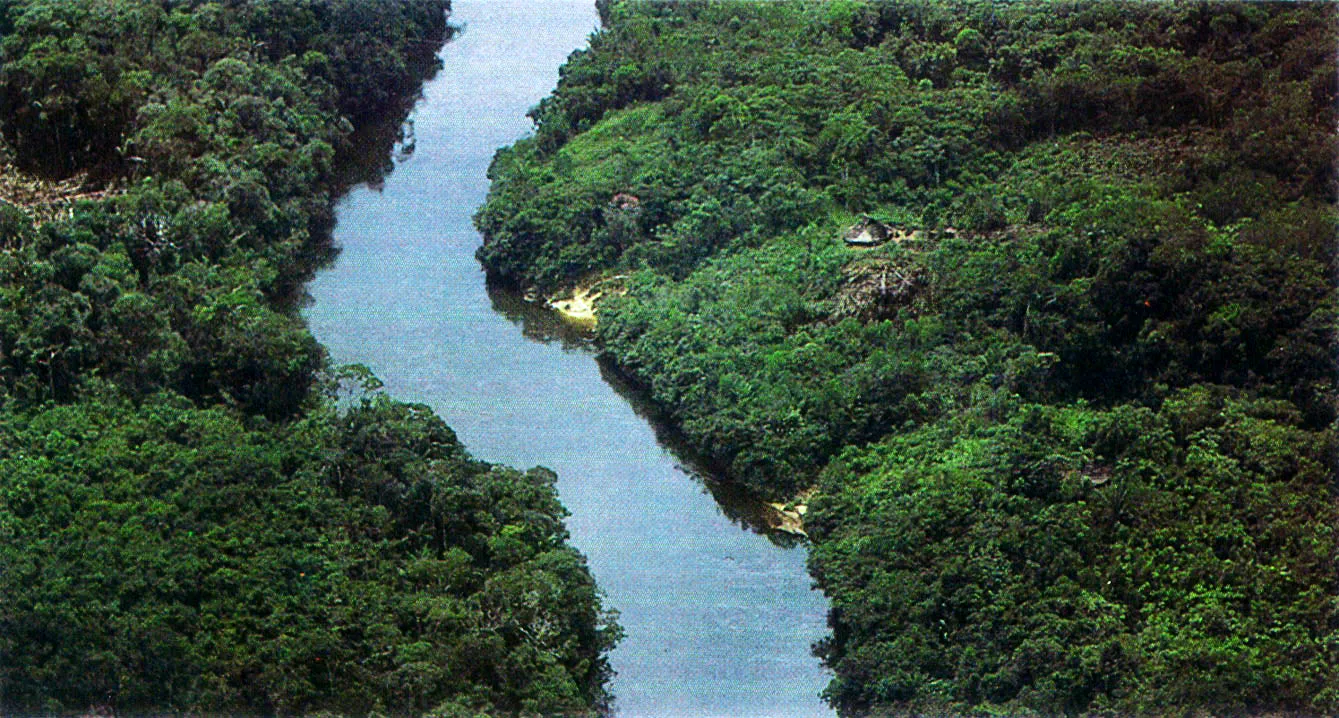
<point>193,519</point>
<point>1073,559</point>
<point>1071,444</point>
<point>226,164</point>
<point>163,557</point>
<point>776,112</point>
<point>76,74</point>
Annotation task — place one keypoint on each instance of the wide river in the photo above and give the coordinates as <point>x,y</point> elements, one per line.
<point>719,618</point>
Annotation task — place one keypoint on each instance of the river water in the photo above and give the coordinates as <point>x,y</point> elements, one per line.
<point>719,619</point>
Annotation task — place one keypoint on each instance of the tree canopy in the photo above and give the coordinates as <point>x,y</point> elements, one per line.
<point>198,514</point>
<point>1068,438</point>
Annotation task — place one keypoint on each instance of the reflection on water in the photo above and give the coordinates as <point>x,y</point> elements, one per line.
<point>541,324</point>
<point>742,506</point>
<point>536,321</point>
<point>372,152</point>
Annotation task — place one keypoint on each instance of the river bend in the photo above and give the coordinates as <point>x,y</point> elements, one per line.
<point>719,619</point>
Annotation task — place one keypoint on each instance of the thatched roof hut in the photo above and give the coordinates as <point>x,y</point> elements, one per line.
<point>868,232</point>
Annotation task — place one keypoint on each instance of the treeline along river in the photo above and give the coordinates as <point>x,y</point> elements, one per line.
<point>719,619</point>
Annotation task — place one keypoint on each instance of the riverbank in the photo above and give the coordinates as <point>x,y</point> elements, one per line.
<point>1098,307</point>
<point>718,619</point>
<point>229,536</point>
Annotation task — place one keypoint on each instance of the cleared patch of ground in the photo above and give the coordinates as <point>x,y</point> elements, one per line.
<point>44,200</point>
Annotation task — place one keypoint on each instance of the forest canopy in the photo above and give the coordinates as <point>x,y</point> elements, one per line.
<point>1067,437</point>
<point>198,514</point>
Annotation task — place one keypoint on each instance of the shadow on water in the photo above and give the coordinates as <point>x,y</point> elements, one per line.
<point>537,322</point>
<point>385,139</point>
<point>377,144</point>
<point>745,508</point>
<point>541,324</point>
<point>382,141</point>
<point>374,150</point>
<point>371,152</point>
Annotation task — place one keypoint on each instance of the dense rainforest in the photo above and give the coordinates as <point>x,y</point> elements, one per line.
<point>198,513</point>
<point>1067,437</point>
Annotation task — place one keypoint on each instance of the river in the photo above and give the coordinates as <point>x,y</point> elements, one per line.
<point>719,619</point>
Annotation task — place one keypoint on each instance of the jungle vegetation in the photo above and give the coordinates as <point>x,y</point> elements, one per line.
<point>198,514</point>
<point>1068,440</point>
